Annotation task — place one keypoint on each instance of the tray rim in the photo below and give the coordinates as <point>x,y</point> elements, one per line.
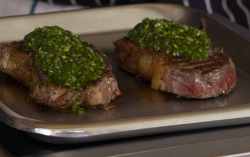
<point>111,126</point>
<point>94,128</point>
<point>7,22</point>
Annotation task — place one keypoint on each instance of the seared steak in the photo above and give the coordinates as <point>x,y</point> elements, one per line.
<point>192,79</point>
<point>19,63</point>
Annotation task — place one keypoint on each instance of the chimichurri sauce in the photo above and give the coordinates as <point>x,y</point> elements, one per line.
<point>64,57</point>
<point>172,38</point>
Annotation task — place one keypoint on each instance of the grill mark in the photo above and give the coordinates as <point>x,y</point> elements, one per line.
<point>216,61</point>
<point>212,63</point>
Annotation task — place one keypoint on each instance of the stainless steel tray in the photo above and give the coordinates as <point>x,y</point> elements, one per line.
<point>140,110</point>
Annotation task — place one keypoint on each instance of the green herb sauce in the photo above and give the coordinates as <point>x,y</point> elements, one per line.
<point>172,38</point>
<point>76,108</point>
<point>64,57</point>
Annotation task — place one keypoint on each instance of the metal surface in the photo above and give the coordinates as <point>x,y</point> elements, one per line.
<point>140,110</point>
<point>3,152</point>
<point>228,141</point>
<point>220,148</point>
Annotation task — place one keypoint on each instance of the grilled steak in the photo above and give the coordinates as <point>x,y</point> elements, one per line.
<point>192,79</point>
<point>19,63</point>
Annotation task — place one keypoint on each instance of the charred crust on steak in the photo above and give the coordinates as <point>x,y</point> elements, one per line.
<point>217,60</point>
<point>191,79</point>
<point>18,62</point>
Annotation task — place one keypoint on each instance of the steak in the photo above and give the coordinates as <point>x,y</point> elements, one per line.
<point>20,64</point>
<point>191,79</point>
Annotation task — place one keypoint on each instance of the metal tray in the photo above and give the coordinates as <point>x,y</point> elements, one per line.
<point>140,110</point>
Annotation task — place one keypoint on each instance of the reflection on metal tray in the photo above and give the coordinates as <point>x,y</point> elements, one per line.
<point>140,110</point>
